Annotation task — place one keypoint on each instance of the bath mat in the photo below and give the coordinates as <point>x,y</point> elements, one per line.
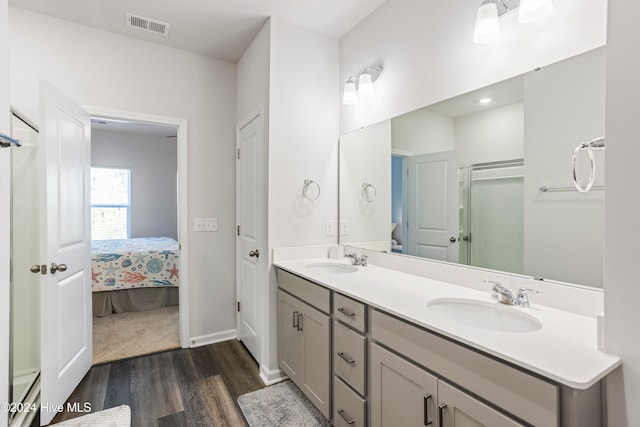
<point>120,416</point>
<point>282,404</point>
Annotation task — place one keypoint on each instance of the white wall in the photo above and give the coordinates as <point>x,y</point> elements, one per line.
<point>153,161</point>
<point>428,54</point>
<point>303,143</point>
<point>490,136</point>
<point>365,156</point>
<point>621,249</point>
<point>564,105</point>
<point>105,70</point>
<point>422,132</point>
<point>5,212</point>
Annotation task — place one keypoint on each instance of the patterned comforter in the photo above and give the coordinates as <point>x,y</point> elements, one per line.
<point>134,263</point>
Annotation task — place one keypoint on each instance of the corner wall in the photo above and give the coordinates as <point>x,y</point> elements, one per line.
<point>101,69</point>
<point>621,249</point>
<point>303,144</point>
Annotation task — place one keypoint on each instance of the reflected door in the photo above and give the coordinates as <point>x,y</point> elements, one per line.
<point>25,251</point>
<point>433,206</point>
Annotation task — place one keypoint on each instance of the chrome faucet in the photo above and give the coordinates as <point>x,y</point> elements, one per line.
<point>500,293</point>
<point>355,260</point>
<point>505,296</point>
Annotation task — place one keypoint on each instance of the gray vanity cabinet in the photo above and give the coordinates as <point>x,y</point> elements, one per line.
<point>402,394</point>
<point>304,333</point>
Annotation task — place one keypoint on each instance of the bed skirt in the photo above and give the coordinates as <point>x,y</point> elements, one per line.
<point>139,299</point>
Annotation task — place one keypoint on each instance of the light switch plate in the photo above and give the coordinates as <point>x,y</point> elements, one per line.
<point>205,224</point>
<point>344,227</point>
<point>330,230</point>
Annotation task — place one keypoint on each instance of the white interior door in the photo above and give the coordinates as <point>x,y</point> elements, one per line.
<point>249,248</point>
<point>433,206</point>
<point>65,241</point>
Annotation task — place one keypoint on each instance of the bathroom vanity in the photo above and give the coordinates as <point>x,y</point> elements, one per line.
<point>372,346</point>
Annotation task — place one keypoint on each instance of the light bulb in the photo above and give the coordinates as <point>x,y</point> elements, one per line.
<point>487,25</point>
<point>350,96</point>
<point>365,86</point>
<point>532,10</point>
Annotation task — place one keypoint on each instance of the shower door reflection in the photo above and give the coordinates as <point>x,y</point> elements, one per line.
<point>25,251</point>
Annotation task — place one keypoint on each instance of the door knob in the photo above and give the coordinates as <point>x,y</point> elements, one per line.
<point>255,253</point>
<point>57,267</point>
<point>39,268</point>
<point>453,239</point>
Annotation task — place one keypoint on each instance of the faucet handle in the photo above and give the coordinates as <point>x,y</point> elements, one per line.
<point>522,299</point>
<point>363,260</point>
<point>495,287</point>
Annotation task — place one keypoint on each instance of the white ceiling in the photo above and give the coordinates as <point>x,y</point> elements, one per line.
<point>137,128</point>
<point>217,28</point>
<point>503,93</point>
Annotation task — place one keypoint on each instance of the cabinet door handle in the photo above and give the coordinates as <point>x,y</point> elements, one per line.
<point>295,317</point>
<point>441,414</point>
<point>346,358</point>
<point>346,418</point>
<point>427,421</point>
<point>346,312</point>
<point>299,325</point>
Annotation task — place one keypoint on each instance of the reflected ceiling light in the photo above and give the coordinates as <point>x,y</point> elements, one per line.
<point>487,28</point>
<point>485,100</point>
<point>364,89</point>
<point>532,10</point>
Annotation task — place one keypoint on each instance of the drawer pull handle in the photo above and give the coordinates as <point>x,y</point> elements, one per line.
<point>346,312</point>
<point>299,325</point>
<point>346,358</point>
<point>427,421</point>
<point>344,417</point>
<point>441,414</point>
<point>295,318</point>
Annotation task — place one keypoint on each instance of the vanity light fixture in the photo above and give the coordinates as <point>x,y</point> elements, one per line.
<point>487,28</point>
<point>364,89</point>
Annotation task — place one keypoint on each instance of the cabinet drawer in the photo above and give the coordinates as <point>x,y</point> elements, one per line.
<point>349,356</point>
<point>524,395</point>
<point>307,291</point>
<point>349,311</point>
<point>349,409</point>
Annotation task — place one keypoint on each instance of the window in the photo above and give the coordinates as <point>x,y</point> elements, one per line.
<point>110,203</point>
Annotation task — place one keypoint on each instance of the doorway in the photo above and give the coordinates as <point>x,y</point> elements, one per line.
<point>134,235</point>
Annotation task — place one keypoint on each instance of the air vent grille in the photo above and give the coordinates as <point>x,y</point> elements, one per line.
<point>147,24</point>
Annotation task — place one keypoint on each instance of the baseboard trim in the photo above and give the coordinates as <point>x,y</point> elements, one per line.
<point>212,338</point>
<point>270,377</point>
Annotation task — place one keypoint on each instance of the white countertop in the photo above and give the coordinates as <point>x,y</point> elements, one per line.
<point>563,350</point>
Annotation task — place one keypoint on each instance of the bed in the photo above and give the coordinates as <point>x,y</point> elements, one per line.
<point>134,274</point>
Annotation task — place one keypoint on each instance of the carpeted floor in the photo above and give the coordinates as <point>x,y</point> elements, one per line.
<point>124,335</point>
<point>280,405</point>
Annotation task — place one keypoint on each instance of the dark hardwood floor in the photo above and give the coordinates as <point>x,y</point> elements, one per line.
<point>186,387</point>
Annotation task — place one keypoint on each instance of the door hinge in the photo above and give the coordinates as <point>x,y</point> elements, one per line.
<point>238,153</point>
<point>238,306</point>
<point>237,230</point>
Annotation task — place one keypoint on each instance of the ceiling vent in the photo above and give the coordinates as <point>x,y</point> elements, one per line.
<point>148,24</point>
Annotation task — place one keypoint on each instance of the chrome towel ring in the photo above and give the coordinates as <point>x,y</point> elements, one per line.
<point>591,146</point>
<point>311,190</point>
<point>369,192</point>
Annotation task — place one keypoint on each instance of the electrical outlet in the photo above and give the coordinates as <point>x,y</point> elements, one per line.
<point>344,227</point>
<point>205,224</point>
<point>330,229</point>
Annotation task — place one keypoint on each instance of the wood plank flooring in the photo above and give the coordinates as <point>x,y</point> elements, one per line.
<point>186,387</point>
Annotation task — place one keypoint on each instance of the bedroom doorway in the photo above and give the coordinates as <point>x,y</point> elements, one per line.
<point>139,234</point>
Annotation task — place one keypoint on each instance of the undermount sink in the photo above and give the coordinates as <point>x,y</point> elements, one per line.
<point>483,315</point>
<point>332,268</point>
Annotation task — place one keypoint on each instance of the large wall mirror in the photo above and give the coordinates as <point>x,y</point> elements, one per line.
<point>485,179</point>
